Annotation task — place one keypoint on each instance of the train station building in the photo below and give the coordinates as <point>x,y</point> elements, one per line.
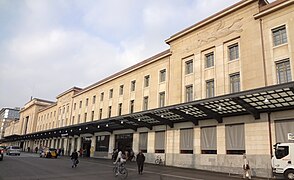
<point>224,88</point>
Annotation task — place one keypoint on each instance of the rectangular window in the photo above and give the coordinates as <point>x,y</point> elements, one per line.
<point>79,118</point>
<point>186,141</point>
<point>146,81</point>
<point>109,111</point>
<point>100,113</point>
<point>85,119</point>
<point>75,105</point>
<point>81,104</point>
<point>189,93</point>
<point>209,88</point>
<point>73,120</point>
<point>279,35</point>
<point>189,67</point>
<point>92,115</point>
<point>87,101</point>
<point>133,85</point>
<point>119,109</point>
<point>233,52</point>
<point>283,129</point>
<point>131,106</point>
<point>110,93</point>
<point>235,82</point>
<point>235,139</point>
<point>208,140</point>
<point>161,99</point>
<point>159,142</point>
<point>102,143</point>
<point>102,96</point>
<point>121,89</point>
<point>209,60</point>
<point>143,141</point>
<point>283,71</point>
<point>162,75</point>
<point>94,99</point>
<point>145,103</point>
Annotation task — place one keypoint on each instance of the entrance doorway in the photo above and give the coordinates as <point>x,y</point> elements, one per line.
<point>86,145</point>
<point>124,142</point>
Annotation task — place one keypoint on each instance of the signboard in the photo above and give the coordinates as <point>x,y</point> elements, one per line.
<point>63,135</point>
<point>291,136</point>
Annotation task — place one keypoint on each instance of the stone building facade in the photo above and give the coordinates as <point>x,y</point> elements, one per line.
<point>224,88</point>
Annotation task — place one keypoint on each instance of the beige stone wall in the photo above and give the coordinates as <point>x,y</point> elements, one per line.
<point>12,128</point>
<point>273,53</point>
<point>140,92</point>
<point>30,111</point>
<point>47,118</point>
<point>238,27</point>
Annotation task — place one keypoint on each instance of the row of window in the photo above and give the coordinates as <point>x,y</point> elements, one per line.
<point>132,104</point>
<point>235,140</point>
<point>279,37</point>
<point>162,78</point>
<point>283,75</point>
<point>233,51</point>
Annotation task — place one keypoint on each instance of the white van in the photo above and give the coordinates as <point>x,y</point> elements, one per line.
<point>13,150</point>
<point>283,160</point>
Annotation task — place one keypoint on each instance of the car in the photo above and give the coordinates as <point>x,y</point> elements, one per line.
<point>1,153</point>
<point>49,153</point>
<point>13,150</point>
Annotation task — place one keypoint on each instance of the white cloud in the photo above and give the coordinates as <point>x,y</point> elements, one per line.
<point>48,47</point>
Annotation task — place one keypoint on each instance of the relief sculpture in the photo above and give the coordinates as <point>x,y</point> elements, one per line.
<point>221,31</point>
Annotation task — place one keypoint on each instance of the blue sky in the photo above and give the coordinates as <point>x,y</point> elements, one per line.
<point>49,46</point>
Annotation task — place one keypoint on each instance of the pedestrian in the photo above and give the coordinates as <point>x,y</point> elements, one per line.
<point>114,154</point>
<point>36,149</point>
<point>29,149</point>
<point>140,162</point>
<point>62,152</point>
<point>74,157</point>
<point>81,152</point>
<point>246,168</point>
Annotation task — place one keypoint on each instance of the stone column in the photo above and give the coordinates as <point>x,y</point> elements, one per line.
<point>111,143</point>
<point>196,143</point>
<point>79,143</point>
<point>136,137</point>
<point>93,146</point>
<point>221,139</point>
<point>151,142</point>
<point>65,146</point>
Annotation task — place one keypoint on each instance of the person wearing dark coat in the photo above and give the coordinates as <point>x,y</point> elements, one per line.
<point>74,157</point>
<point>140,162</point>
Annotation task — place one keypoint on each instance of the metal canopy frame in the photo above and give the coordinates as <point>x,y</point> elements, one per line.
<point>266,99</point>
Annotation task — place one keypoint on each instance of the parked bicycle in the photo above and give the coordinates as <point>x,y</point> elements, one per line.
<point>120,170</point>
<point>159,161</point>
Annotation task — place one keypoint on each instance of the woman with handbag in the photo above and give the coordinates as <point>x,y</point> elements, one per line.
<point>246,168</point>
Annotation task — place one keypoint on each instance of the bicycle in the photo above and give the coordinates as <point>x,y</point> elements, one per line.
<point>158,160</point>
<point>120,170</point>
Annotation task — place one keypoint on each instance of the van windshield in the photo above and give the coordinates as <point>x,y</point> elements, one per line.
<point>281,152</point>
<point>14,147</point>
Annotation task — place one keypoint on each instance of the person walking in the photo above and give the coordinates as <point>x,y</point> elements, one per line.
<point>74,157</point>
<point>140,161</point>
<point>246,168</point>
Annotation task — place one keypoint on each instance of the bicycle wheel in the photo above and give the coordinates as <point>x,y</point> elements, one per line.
<point>157,161</point>
<point>123,173</point>
<point>114,170</point>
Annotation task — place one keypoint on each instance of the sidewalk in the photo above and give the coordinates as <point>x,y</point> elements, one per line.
<point>171,170</point>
